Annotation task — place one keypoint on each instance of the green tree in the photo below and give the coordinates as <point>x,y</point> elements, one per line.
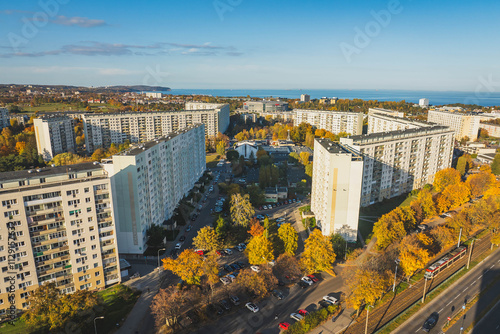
<point>221,228</point>
<point>221,148</point>
<point>495,165</point>
<point>155,234</point>
<point>259,250</point>
<point>309,170</point>
<point>232,155</point>
<point>318,254</point>
<point>289,236</point>
<point>241,209</point>
<point>339,245</point>
<point>464,163</point>
<point>207,239</point>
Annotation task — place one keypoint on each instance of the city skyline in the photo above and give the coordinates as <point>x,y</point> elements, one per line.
<point>240,44</point>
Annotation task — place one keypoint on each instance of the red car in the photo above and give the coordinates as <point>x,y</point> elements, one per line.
<point>303,313</point>
<point>200,251</point>
<point>284,325</point>
<point>313,278</point>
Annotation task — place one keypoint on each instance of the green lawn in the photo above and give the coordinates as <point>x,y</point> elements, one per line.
<point>212,160</point>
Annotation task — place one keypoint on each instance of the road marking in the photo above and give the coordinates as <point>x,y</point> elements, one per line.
<point>441,309</point>
<point>451,301</point>
<point>492,266</point>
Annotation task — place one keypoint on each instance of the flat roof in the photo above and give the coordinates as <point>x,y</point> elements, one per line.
<point>47,171</point>
<point>392,135</point>
<point>336,147</point>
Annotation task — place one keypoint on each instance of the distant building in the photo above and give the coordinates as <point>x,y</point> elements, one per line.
<point>380,120</point>
<point>493,129</point>
<point>4,118</point>
<point>286,116</point>
<point>464,124</point>
<point>424,103</point>
<point>246,149</point>
<point>336,188</point>
<point>305,98</point>
<point>54,135</point>
<point>275,194</point>
<point>333,121</point>
<point>151,178</point>
<point>265,106</point>
<point>154,95</point>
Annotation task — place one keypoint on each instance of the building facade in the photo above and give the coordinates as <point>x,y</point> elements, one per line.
<point>381,121</point>
<point>397,162</point>
<point>57,226</point>
<point>333,121</point>
<point>54,135</point>
<point>103,129</point>
<point>424,103</point>
<point>4,118</point>
<point>336,188</point>
<point>493,129</point>
<point>464,124</point>
<point>265,106</point>
<point>152,178</point>
<point>305,98</point>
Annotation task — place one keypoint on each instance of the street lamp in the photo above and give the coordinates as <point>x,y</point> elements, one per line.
<point>159,258</point>
<point>95,327</point>
<point>395,275</point>
<point>367,313</point>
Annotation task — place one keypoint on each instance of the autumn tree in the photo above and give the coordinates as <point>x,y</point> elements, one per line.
<point>289,237</point>
<point>464,163</point>
<point>318,254</point>
<point>207,239</point>
<point>413,253</point>
<point>393,226</point>
<point>480,182</point>
<point>461,221</point>
<point>188,266</point>
<point>256,228</point>
<point>168,304</point>
<point>241,209</point>
<point>288,267</point>
<point>304,158</point>
<point>210,270</point>
<point>221,148</point>
<point>366,287</point>
<point>445,178</point>
<point>259,250</point>
<point>495,165</point>
<point>425,198</point>
<point>443,235</point>
<point>457,194</point>
<point>252,282</point>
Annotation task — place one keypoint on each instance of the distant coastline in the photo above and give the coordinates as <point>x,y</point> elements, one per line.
<point>435,97</point>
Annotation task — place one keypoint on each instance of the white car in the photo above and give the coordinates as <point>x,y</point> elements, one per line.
<point>330,299</point>
<point>255,268</point>
<point>307,280</point>
<point>232,278</point>
<point>225,280</point>
<point>252,307</point>
<point>178,246</point>
<point>296,316</point>
<point>228,251</point>
<point>264,207</point>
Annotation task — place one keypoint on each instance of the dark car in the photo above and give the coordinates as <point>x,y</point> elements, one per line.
<point>324,303</point>
<point>235,266</point>
<point>241,264</point>
<point>431,322</point>
<point>235,300</point>
<point>278,294</point>
<point>182,238</point>
<point>225,304</point>
<point>303,284</point>
<point>228,268</point>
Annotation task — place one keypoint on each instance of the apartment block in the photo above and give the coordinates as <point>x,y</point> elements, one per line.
<point>101,130</point>
<point>336,188</point>
<point>265,106</point>
<point>152,178</point>
<point>383,120</point>
<point>4,118</point>
<point>493,129</point>
<point>333,121</point>
<point>397,162</point>
<point>54,135</point>
<point>56,225</point>
<point>464,124</point>
<point>222,115</point>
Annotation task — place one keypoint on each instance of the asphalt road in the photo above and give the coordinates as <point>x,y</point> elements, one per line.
<point>490,323</point>
<point>450,302</point>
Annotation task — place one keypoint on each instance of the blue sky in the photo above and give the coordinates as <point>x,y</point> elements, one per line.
<point>416,45</point>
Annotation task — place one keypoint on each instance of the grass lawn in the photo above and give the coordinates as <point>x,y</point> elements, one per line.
<point>212,160</point>
<point>118,301</point>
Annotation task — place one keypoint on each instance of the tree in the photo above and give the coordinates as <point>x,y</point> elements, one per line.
<point>232,155</point>
<point>446,177</point>
<point>427,203</point>
<point>443,235</point>
<point>221,148</point>
<point>289,236</point>
<point>412,254</point>
<point>221,227</point>
<point>256,194</point>
<point>367,286</point>
<point>259,250</point>
<point>318,254</point>
<point>464,163</point>
<point>155,236</point>
<point>169,304</point>
<point>241,209</point>
<point>252,282</point>
<point>188,266</point>
<point>457,194</point>
<point>211,271</point>
<point>309,170</point>
<point>267,274</point>
<point>207,239</point>
<point>288,267</point>
<point>255,228</point>
<point>495,165</point>
<point>339,245</point>
<point>480,182</point>
<point>304,158</point>
<point>390,228</point>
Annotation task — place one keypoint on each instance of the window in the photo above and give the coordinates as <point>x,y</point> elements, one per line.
<point>72,176</point>
<point>87,199</point>
<point>98,282</point>
<point>93,247</point>
<point>90,219</point>
<point>86,190</point>
<point>96,265</point>
<point>92,237</point>
<point>93,256</point>
<point>97,273</point>
<point>42,180</point>
<point>89,173</point>
<point>22,183</point>
<point>89,209</point>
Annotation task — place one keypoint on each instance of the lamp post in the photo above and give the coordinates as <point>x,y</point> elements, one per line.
<point>367,313</point>
<point>95,327</point>
<point>159,258</point>
<point>395,275</point>
<point>425,288</point>
<point>459,237</point>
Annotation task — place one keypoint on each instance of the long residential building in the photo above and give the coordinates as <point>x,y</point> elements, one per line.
<point>493,129</point>
<point>336,188</point>
<point>464,124</point>
<point>397,162</point>
<point>54,135</point>
<point>101,130</point>
<point>333,121</point>
<point>265,106</point>
<point>57,225</point>
<point>4,118</point>
<point>383,120</point>
<point>152,178</point>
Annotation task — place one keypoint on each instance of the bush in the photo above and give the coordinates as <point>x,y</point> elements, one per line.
<point>312,320</point>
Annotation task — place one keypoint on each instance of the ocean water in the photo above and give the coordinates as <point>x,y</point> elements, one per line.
<point>436,98</point>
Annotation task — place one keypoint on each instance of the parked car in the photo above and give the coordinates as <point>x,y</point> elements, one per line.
<point>303,312</point>
<point>182,238</point>
<point>278,294</point>
<point>235,300</point>
<point>231,277</point>
<point>225,280</point>
<point>188,228</point>
<point>324,303</point>
<point>303,284</point>
<point>228,268</point>
<point>264,207</point>
<point>225,304</point>
<point>241,264</point>
<point>307,280</point>
<point>284,325</point>
<point>228,251</point>
<point>296,316</point>
<point>178,245</point>
<point>430,322</point>
<point>255,268</point>
<point>252,307</point>
<point>313,278</point>
<point>330,299</point>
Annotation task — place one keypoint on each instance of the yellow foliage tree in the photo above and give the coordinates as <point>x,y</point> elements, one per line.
<point>412,254</point>
<point>318,254</point>
<point>445,178</point>
<point>207,239</point>
<point>289,236</point>
<point>479,183</point>
<point>259,250</point>
<point>427,203</point>
<point>20,146</point>
<point>457,194</point>
<point>188,266</point>
<point>390,228</point>
<point>366,287</point>
<point>252,281</point>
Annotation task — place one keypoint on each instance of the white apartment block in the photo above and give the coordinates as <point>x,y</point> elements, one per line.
<point>336,188</point>
<point>56,225</point>
<point>493,129</point>
<point>222,114</point>
<point>151,179</point>
<point>54,135</point>
<point>333,121</point>
<point>424,103</point>
<point>286,116</point>
<point>397,162</point>
<point>305,98</point>
<point>381,121</point>
<point>4,118</point>
<point>464,124</point>
<point>154,95</point>
<point>101,130</point>
<point>265,106</point>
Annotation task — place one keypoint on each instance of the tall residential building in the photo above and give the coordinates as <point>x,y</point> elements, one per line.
<point>54,135</point>
<point>4,118</point>
<point>265,106</point>
<point>57,226</point>
<point>397,162</point>
<point>333,121</point>
<point>379,120</point>
<point>464,124</point>
<point>305,98</point>
<point>151,179</point>
<point>336,188</point>
<point>493,129</point>
<point>424,103</point>
<point>101,130</point>
<point>222,114</point>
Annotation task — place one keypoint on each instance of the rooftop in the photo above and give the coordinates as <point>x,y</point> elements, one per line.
<point>400,134</point>
<point>47,171</point>
<point>401,119</point>
<point>327,111</point>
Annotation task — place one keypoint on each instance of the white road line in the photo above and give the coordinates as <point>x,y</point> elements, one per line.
<point>492,266</point>
<point>451,301</point>
<point>440,310</point>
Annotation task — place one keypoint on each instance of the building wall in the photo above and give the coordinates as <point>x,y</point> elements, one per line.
<point>54,135</point>
<point>333,121</point>
<point>265,106</point>
<point>385,122</point>
<point>154,176</point>
<point>64,224</point>
<point>493,130</point>
<point>464,125</point>
<point>336,189</point>
<point>4,118</point>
